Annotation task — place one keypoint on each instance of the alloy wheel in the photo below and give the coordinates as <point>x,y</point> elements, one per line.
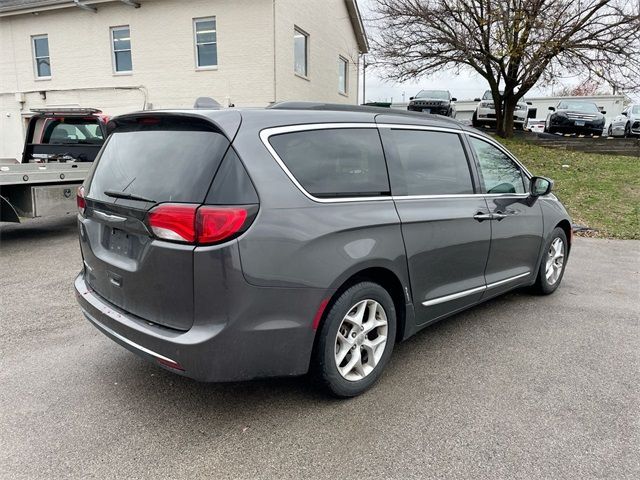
<point>555,261</point>
<point>361,340</point>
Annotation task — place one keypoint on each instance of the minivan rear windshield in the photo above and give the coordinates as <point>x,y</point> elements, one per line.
<point>162,165</point>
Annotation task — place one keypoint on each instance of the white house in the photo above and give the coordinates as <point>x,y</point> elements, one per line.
<point>124,55</point>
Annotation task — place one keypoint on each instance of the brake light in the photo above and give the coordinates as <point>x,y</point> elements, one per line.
<point>217,223</point>
<point>189,223</point>
<point>80,201</point>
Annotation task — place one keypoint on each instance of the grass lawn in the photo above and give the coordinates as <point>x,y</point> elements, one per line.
<point>600,191</point>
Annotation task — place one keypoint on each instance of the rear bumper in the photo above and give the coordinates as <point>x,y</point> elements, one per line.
<point>232,351</point>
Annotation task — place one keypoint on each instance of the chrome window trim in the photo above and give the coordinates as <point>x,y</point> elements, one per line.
<point>268,132</point>
<point>471,291</point>
<point>503,150</point>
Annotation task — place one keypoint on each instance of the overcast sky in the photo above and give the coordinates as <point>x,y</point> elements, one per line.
<point>465,86</point>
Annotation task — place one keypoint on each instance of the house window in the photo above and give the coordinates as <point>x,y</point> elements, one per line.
<point>206,42</point>
<point>121,42</point>
<point>42,62</point>
<point>342,75</point>
<point>300,52</point>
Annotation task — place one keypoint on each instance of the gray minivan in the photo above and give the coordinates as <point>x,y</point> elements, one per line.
<point>234,244</point>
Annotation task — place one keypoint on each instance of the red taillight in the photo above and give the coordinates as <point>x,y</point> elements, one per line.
<point>190,223</point>
<point>217,223</point>
<point>80,201</point>
<point>174,221</point>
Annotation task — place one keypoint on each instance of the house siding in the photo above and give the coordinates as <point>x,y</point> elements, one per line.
<point>250,73</point>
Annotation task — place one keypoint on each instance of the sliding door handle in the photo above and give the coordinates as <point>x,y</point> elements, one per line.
<point>481,217</point>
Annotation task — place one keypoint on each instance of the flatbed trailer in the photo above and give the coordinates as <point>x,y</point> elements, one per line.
<point>30,190</point>
<point>60,146</point>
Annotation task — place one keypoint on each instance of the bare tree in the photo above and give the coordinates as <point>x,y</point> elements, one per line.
<point>588,87</point>
<point>513,44</point>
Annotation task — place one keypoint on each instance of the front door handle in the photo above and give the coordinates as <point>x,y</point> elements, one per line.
<point>499,216</point>
<point>481,217</point>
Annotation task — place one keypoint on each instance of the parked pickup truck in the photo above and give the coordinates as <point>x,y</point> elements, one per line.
<point>59,147</point>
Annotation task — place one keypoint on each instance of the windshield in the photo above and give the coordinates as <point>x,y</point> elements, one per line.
<point>579,106</point>
<point>487,95</point>
<point>440,94</point>
<point>635,109</point>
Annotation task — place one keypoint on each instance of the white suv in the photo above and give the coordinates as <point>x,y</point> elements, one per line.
<point>485,113</point>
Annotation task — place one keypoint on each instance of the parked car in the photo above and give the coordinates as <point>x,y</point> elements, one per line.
<point>233,244</point>
<point>485,113</point>
<point>439,102</point>
<point>627,123</point>
<point>535,125</point>
<point>575,116</point>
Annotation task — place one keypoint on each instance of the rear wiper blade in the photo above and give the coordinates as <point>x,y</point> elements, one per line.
<point>128,196</point>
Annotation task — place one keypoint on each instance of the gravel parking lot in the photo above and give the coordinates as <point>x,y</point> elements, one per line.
<point>520,387</point>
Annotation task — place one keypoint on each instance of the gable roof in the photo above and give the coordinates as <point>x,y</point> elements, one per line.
<point>358,26</point>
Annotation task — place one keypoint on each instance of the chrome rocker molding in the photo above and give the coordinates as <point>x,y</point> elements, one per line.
<point>464,293</point>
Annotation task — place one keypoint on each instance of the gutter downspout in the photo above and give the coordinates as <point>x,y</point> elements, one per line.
<point>275,93</point>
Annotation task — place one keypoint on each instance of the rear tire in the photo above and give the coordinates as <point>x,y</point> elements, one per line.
<point>355,341</point>
<point>553,263</point>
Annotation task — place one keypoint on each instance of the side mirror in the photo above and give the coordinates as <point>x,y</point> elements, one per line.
<point>529,103</point>
<point>604,112</point>
<point>454,99</point>
<point>553,109</point>
<point>623,113</point>
<point>411,98</point>
<point>476,99</point>
<point>540,186</point>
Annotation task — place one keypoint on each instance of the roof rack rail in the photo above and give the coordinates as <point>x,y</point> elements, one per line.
<point>65,110</point>
<point>340,107</point>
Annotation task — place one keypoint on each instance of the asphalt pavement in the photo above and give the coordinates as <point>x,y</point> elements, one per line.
<point>521,387</point>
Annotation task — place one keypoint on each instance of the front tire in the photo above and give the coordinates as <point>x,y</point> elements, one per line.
<point>356,340</point>
<point>474,120</point>
<point>627,130</point>
<point>554,261</point>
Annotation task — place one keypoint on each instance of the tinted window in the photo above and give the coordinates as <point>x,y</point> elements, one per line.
<point>499,173</point>
<point>162,165</point>
<point>441,94</point>
<point>431,163</point>
<point>579,106</point>
<point>72,130</point>
<point>335,162</point>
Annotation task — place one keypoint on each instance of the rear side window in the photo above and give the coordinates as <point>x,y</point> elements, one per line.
<point>431,163</point>
<point>161,160</point>
<point>341,162</point>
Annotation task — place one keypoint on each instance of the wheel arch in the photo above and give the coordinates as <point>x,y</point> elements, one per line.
<point>388,279</point>
<point>566,227</point>
<point>7,212</point>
